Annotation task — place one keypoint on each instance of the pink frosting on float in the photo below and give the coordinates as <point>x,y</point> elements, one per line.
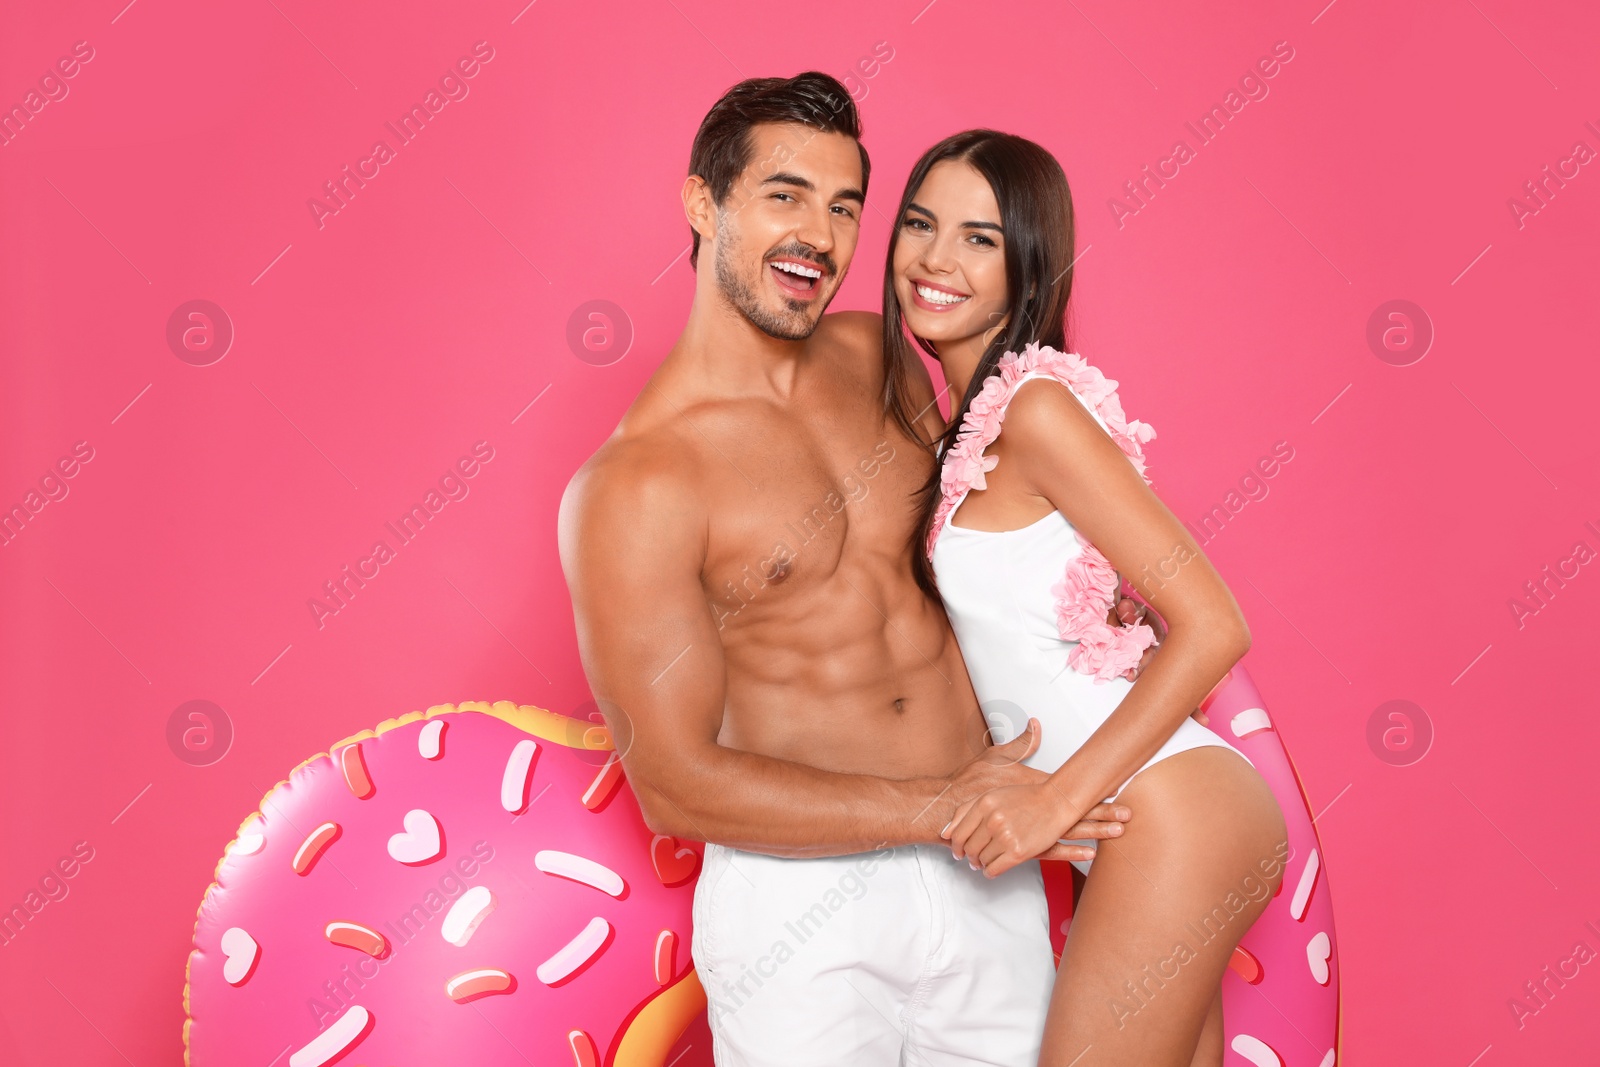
<point>1087,589</point>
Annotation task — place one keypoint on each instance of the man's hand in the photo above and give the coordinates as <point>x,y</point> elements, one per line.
<point>1006,826</point>
<point>1130,611</point>
<point>1001,765</point>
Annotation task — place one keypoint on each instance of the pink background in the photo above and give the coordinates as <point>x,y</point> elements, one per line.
<point>373,352</point>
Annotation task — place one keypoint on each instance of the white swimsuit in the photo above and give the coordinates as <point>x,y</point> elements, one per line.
<point>1013,602</point>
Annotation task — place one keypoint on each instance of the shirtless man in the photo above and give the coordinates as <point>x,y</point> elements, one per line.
<point>776,682</point>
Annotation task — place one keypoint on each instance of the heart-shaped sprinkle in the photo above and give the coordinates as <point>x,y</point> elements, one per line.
<point>419,842</point>
<point>674,864</point>
<point>239,955</point>
<point>1318,951</point>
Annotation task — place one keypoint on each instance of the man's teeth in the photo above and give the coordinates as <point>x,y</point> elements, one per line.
<point>936,296</point>
<point>795,268</point>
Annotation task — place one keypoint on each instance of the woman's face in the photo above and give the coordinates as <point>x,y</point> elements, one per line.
<point>949,261</point>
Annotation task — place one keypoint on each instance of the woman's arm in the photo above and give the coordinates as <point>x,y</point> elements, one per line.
<point>1065,456</point>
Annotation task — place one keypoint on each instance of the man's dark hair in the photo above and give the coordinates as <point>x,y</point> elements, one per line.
<point>722,146</point>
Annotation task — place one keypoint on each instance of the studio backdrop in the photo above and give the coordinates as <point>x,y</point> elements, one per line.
<point>309,312</point>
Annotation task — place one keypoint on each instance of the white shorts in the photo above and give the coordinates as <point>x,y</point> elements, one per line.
<point>904,956</point>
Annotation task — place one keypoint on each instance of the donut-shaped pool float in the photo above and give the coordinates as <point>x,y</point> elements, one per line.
<point>1280,994</point>
<point>473,884</point>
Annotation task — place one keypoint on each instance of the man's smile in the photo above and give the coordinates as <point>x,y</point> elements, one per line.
<point>797,277</point>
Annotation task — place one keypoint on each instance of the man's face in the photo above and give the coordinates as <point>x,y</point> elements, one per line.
<point>788,227</point>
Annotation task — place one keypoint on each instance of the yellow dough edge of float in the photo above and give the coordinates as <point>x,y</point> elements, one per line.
<point>530,719</point>
<point>650,1035</point>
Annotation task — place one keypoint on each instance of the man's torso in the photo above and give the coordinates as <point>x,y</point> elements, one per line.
<point>835,658</point>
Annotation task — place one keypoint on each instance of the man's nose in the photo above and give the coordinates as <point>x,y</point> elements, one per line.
<point>816,231</point>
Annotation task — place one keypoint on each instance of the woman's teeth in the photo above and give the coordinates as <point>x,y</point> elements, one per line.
<point>937,296</point>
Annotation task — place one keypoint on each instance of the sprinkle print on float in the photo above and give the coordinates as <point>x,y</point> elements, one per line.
<point>466,863</point>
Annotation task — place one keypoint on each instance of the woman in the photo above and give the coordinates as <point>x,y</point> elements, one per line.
<point>1022,535</point>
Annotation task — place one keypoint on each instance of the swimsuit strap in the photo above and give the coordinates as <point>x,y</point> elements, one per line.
<point>1087,590</point>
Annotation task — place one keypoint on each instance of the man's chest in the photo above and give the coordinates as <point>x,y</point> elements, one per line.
<point>796,504</point>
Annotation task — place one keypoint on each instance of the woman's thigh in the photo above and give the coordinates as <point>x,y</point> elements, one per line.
<point>1161,911</point>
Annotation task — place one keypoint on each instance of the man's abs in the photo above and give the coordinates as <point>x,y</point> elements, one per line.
<point>855,672</point>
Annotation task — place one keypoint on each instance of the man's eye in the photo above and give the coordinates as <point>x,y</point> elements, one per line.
<point>784,196</point>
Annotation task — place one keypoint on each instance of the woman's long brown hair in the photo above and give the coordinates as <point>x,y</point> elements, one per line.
<point>1036,215</point>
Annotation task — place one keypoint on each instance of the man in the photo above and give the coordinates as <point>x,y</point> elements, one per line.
<point>776,682</point>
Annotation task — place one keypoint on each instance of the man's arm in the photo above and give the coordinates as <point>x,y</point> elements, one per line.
<point>632,547</point>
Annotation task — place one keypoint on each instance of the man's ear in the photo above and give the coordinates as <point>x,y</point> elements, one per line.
<point>699,208</point>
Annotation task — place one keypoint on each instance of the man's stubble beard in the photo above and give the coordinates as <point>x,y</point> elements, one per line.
<point>796,326</point>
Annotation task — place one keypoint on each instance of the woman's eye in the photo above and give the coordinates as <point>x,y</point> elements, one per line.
<point>982,240</point>
<point>916,224</point>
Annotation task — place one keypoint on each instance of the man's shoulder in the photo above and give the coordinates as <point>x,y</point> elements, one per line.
<point>634,475</point>
<point>869,323</point>
<point>852,341</point>
<point>861,331</point>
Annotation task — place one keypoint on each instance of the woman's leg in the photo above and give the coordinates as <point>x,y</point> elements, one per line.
<point>1161,911</point>
<point>1208,1053</point>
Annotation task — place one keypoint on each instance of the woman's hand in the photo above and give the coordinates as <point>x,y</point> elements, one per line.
<point>1005,826</point>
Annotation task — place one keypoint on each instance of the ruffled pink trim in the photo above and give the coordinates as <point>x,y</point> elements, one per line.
<point>1087,590</point>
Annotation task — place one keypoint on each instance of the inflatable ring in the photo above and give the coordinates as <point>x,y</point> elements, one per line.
<point>469,884</point>
<point>474,883</point>
<point>1280,994</point>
